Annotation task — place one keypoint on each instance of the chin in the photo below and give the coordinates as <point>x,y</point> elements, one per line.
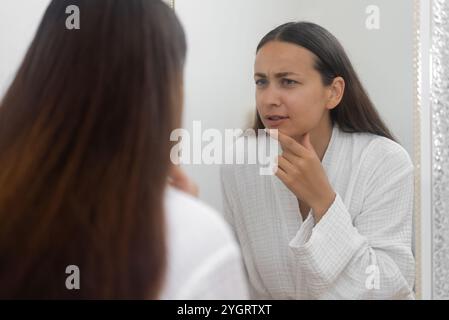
<point>295,134</point>
<point>287,132</point>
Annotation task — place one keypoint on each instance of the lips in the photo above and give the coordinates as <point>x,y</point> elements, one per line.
<point>276,117</point>
<point>274,120</point>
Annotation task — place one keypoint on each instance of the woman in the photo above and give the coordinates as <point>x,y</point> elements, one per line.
<point>84,158</point>
<point>335,221</point>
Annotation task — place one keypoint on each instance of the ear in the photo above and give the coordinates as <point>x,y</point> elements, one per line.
<point>337,89</point>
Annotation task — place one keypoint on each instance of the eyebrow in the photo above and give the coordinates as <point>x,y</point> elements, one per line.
<point>277,75</point>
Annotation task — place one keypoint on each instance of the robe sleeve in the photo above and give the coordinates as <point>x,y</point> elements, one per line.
<point>369,256</point>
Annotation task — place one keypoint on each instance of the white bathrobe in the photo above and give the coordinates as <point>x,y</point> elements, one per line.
<point>361,247</point>
<point>204,260</point>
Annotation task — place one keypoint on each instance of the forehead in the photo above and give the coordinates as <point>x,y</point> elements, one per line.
<point>277,56</point>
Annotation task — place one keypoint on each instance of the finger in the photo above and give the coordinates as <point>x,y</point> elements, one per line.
<point>177,174</point>
<point>286,165</point>
<point>181,181</point>
<point>175,183</point>
<point>290,144</point>
<point>292,158</point>
<point>282,175</point>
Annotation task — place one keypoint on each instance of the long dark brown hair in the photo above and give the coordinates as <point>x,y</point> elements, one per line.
<point>355,112</point>
<point>84,152</point>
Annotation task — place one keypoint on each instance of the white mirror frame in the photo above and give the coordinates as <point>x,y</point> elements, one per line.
<point>421,159</point>
<point>432,121</point>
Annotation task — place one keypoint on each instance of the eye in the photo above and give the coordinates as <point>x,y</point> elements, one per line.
<point>261,82</point>
<point>288,82</point>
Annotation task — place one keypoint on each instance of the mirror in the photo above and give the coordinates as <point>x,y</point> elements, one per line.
<point>398,49</point>
<point>388,45</point>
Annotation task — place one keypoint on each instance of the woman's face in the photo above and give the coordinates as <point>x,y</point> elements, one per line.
<point>290,95</point>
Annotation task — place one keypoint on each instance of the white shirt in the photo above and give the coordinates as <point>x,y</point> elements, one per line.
<point>204,260</point>
<point>364,236</point>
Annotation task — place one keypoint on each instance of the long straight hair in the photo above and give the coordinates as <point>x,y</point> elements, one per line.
<point>355,112</point>
<point>84,152</point>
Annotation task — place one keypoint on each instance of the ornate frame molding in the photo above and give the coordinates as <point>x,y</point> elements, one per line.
<point>431,143</point>
<point>417,107</point>
<point>439,102</point>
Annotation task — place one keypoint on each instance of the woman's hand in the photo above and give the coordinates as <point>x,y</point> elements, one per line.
<point>300,169</point>
<point>178,179</point>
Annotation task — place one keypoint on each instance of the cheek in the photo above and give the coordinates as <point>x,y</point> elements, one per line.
<point>258,102</point>
<point>305,107</point>
<point>301,104</point>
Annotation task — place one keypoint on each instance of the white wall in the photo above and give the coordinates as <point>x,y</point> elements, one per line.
<point>18,22</point>
<point>222,37</point>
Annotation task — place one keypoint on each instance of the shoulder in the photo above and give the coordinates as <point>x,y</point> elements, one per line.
<point>199,245</point>
<point>187,215</point>
<point>378,153</point>
<point>203,258</point>
<point>386,152</point>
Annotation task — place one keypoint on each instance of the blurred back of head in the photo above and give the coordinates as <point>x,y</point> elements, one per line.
<point>84,152</point>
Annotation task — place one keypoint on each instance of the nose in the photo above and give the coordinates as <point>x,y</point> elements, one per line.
<point>269,97</point>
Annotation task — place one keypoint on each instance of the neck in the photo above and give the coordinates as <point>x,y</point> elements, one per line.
<point>320,137</point>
